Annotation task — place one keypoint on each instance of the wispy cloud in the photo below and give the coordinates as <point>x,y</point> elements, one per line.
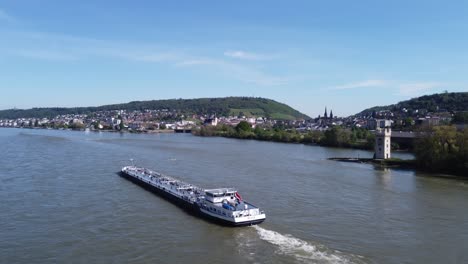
<point>56,47</point>
<point>243,55</point>
<point>403,88</point>
<point>139,54</point>
<point>48,46</point>
<point>5,16</point>
<point>45,55</point>
<point>156,57</point>
<point>203,61</point>
<point>417,88</point>
<point>361,84</point>
<point>240,72</point>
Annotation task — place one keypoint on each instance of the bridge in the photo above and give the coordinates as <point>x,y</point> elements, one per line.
<point>406,134</point>
<point>405,139</point>
<point>183,130</point>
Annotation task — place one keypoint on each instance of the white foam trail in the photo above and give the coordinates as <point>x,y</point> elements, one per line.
<point>300,249</point>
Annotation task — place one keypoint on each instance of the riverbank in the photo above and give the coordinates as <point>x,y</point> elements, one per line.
<point>401,164</point>
<point>388,163</point>
<point>323,139</point>
<point>155,131</point>
<point>444,150</point>
<point>354,138</point>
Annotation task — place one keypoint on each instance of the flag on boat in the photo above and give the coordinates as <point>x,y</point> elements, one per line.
<point>238,196</point>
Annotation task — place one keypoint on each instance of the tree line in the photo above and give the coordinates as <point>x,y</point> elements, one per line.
<point>335,137</point>
<point>219,106</point>
<point>443,149</point>
<point>451,102</point>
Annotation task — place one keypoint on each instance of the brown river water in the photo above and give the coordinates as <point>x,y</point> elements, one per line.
<point>62,202</point>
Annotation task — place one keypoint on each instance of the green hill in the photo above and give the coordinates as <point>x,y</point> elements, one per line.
<point>247,106</point>
<point>447,102</point>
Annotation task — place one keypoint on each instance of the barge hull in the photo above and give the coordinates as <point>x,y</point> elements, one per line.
<point>192,209</point>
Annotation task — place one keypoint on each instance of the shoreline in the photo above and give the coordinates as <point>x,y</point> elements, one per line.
<point>156,131</point>
<point>359,147</point>
<point>391,163</point>
<point>400,164</point>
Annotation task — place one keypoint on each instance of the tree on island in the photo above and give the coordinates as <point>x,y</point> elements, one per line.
<point>243,126</point>
<point>96,124</point>
<point>121,123</point>
<point>337,137</point>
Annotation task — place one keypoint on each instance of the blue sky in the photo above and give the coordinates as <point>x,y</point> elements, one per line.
<point>346,55</point>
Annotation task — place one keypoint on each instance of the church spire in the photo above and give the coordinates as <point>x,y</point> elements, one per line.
<point>331,114</point>
<point>325,115</point>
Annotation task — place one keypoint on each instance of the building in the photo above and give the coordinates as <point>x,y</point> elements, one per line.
<point>383,143</point>
<point>376,124</point>
<point>211,121</point>
<point>429,121</point>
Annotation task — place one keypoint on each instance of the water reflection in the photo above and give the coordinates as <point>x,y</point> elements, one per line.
<point>386,177</point>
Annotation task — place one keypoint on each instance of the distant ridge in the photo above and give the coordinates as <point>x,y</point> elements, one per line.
<point>450,102</point>
<point>248,106</point>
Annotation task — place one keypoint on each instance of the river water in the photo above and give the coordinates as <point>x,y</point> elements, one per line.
<point>61,201</point>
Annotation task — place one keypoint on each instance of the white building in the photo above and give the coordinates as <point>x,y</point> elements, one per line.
<point>383,143</point>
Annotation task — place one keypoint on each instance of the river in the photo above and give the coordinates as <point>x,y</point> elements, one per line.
<point>62,202</point>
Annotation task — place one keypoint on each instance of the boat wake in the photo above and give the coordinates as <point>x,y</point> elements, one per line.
<point>303,251</point>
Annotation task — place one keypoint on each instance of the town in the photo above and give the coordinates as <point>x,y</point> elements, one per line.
<point>164,120</point>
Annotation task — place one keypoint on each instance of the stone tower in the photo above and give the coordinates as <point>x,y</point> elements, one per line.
<point>383,143</point>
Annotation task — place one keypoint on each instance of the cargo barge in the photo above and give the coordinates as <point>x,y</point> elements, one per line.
<point>224,206</point>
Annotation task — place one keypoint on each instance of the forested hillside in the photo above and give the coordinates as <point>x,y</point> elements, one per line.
<point>432,103</point>
<point>247,106</point>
